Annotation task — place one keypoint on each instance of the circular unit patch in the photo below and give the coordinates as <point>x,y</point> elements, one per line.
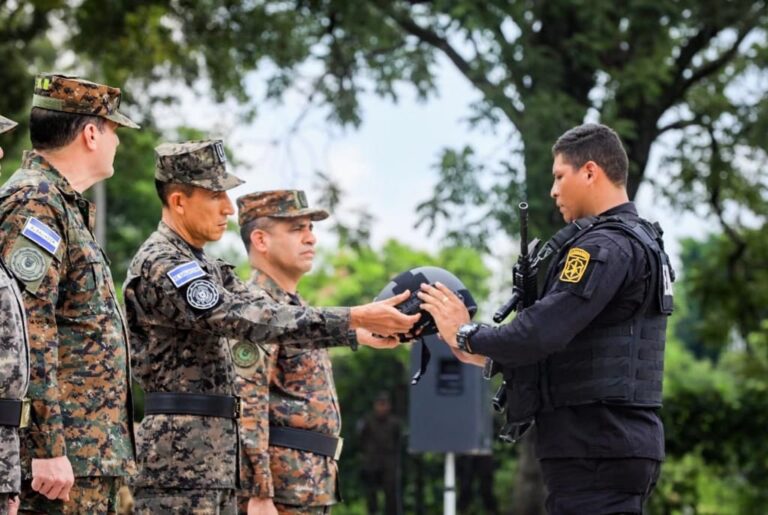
<point>28,264</point>
<point>245,354</point>
<point>202,294</point>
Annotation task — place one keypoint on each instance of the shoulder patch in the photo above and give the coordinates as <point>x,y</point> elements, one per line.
<point>39,233</point>
<point>245,354</point>
<point>202,294</point>
<point>184,273</point>
<point>28,264</point>
<point>575,265</point>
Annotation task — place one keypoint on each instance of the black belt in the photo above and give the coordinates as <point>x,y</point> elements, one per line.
<point>199,404</point>
<point>14,413</point>
<point>303,440</point>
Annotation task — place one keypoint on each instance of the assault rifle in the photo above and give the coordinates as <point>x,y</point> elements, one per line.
<point>518,393</point>
<point>524,291</point>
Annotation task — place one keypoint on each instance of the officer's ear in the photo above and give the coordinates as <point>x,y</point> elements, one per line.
<point>259,240</point>
<point>591,171</point>
<point>89,135</point>
<point>176,201</point>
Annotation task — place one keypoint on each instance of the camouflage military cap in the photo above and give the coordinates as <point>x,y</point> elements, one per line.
<point>6,124</point>
<point>69,94</point>
<point>199,163</point>
<point>276,204</point>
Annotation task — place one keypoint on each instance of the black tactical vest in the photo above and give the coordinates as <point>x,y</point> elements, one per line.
<point>620,364</point>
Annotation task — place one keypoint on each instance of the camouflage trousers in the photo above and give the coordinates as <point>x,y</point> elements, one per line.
<point>286,509</point>
<point>181,501</point>
<point>89,495</point>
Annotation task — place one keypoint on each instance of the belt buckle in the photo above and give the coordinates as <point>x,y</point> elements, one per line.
<point>26,410</point>
<point>339,447</point>
<point>237,407</point>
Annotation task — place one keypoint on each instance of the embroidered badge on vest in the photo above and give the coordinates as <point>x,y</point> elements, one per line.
<point>575,265</point>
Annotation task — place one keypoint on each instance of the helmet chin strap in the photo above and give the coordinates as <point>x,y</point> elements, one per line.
<point>423,361</point>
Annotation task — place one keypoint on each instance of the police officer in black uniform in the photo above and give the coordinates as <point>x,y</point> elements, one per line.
<point>595,336</point>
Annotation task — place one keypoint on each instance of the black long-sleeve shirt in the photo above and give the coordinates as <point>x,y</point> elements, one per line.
<point>610,290</point>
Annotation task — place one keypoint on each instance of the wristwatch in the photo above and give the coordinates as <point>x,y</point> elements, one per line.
<point>352,339</point>
<point>464,335</point>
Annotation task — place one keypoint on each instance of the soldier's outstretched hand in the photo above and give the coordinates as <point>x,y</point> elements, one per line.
<point>382,317</point>
<point>369,339</point>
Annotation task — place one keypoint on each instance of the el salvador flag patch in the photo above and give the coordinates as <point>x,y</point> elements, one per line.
<point>182,274</point>
<point>38,232</point>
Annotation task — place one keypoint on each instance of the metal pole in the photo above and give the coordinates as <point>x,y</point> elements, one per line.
<point>449,497</point>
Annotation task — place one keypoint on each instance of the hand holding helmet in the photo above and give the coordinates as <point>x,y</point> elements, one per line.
<point>460,299</point>
<point>446,308</point>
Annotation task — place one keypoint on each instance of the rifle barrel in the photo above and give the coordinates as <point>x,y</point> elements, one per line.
<point>523,207</point>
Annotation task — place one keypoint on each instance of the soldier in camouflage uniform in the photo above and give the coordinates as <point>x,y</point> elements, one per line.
<point>80,437</point>
<point>14,377</point>
<point>182,306</point>
<point>289,397</point>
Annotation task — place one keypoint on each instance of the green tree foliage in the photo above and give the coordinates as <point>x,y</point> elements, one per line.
<point>715,270</point>
<point>714,416</point>
<point>689,68</point>
<point>133,208</point>
<point>23,45</point>
<point>689,74</point>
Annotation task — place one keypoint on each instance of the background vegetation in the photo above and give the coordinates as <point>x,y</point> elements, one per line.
<point>686,79</point>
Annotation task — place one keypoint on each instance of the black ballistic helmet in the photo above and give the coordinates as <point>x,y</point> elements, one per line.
<point>412,280</point>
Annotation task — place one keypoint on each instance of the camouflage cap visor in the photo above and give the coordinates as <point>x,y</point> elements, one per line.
<point>55,104</point>
<point>279,204</point>
<point>314,214</point>
<point>121,119</point>
<point>6,124</point>
<point>220,183</point>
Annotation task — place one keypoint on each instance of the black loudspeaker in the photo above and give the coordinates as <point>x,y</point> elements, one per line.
<point>450,407</point>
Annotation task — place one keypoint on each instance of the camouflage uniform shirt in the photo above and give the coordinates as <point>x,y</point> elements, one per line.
<point>182,307</point>
<point>79,375</point>
<point>292,386</point>
<point>14,375</point>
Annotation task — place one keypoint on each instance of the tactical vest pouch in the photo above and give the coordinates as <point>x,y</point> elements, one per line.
<point>665,277</point>
<point>662,269</point>
<point>523,400</point>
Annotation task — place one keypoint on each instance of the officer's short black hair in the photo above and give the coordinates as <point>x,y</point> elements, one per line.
<point>598,143</point>
<point>50,130</point>
<point>262,223</point>
<point>164,190</point>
